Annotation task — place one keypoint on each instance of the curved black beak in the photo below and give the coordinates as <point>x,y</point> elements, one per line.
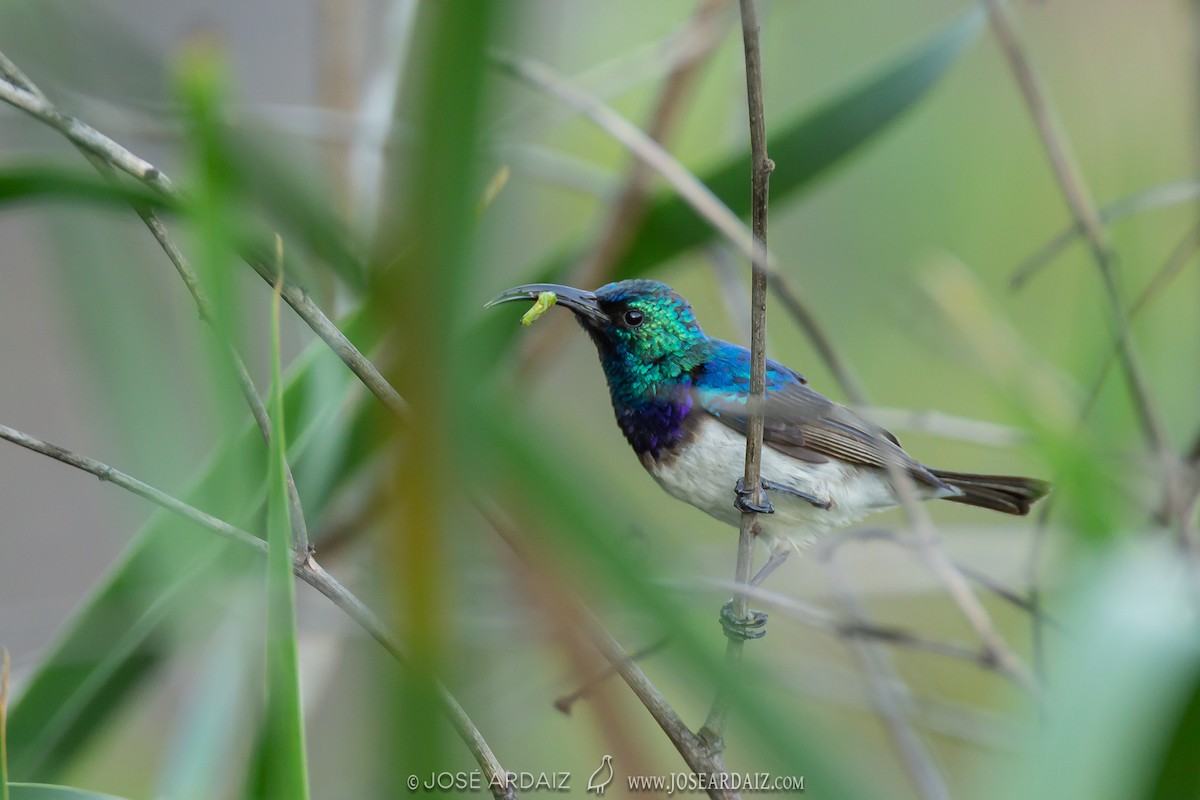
<point>582,303</point>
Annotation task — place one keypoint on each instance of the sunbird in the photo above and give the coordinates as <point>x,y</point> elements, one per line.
<point>682,400</point>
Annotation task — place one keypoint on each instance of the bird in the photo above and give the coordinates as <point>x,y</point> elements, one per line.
<point>602,777</point>
<point>681,399</point>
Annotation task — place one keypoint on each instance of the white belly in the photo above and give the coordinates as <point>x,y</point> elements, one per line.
<point>705,472</point>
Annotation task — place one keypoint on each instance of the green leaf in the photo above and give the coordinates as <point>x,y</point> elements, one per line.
<point>213,191</point>
<point>281,768</point>
<point>4,667</point>
<point>22,183</point>
<point>44,791</point>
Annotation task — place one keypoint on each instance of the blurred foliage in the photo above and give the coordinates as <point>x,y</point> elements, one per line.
<point>21,183</point>
<point>44,791</point>
<point>900,209</point>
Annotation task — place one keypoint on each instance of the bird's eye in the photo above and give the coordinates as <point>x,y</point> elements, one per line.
<point>633,318</point>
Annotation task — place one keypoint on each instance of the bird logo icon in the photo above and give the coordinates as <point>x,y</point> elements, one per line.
<point>602,777</point>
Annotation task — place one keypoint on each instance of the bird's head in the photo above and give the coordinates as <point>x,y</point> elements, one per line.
<point>644,331</point>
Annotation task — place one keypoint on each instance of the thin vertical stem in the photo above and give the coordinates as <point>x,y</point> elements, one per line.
<point>761,167</point>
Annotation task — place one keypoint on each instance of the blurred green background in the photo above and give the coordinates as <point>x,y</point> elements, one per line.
<point>367,133</point>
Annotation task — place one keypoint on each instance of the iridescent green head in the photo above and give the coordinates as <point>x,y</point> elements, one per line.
<point>646,334</point>
<point>649,325</point>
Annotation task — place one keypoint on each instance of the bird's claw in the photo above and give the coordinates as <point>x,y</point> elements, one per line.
<point>743,503</point>
<point>743,629</point>
<point>816,503</point>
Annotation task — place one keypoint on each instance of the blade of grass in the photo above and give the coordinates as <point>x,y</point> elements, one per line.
<point>23,183</point>
<point>88,676</point>
<point>425,268</point>
<point>762,166</point>
<point>4,668</point>
<point>282,767</point>
<point>1178,771</point>
<point>45,791</point>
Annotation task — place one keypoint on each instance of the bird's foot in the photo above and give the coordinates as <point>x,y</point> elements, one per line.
<point>743,503</point>
<point>743,629</point>
<point>815,502</point>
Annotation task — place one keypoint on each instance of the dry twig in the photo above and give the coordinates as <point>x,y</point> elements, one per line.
<point>823,619</point>
<point>649,61</point>
<point>970,573</point>
<point>948,426</point>
<point>567,701</point>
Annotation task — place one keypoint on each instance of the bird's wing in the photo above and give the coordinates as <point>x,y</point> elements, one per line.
<point>797,420</point>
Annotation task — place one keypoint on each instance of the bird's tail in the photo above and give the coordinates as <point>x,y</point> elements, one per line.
<point>1003,493</point>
